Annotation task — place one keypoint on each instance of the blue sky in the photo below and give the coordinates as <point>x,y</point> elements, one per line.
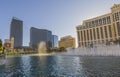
<point>59,16</point>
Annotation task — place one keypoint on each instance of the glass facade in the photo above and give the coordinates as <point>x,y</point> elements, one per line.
<point>40,35</point>
<point>55,41</point>
<point>16,31</point>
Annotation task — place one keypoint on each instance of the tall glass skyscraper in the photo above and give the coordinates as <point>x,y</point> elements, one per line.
<point>40,35</point>
<point>55,41</point>
<point>16,32</point>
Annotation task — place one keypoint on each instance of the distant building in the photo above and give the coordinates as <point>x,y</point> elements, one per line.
<point>54,41</point>
<point>16,31</point>
<point>40,35</point>
<point>12,44</point>
<point>9,44</point>
<point>67,42</point>
<point>103,29</point>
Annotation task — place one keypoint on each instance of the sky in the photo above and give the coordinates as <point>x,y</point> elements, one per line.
<point>59,16</point>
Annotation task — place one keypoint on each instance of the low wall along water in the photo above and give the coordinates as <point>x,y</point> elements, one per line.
<point>112,50</point>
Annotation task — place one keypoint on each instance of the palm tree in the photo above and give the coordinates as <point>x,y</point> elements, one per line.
<point>2,48</point>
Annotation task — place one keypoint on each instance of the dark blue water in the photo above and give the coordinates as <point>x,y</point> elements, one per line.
<point>60,66</point>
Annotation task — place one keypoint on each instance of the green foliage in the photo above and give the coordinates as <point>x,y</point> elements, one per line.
<point>1,47</point>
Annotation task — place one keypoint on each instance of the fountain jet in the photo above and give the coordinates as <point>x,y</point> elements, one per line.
<point>42,47</point>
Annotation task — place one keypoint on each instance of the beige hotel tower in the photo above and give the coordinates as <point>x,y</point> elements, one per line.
<point>67,42</point>
<point>100,30</point>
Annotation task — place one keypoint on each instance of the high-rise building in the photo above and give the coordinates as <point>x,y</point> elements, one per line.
<point>100,30</point>
<point>16,32</point>
<point>67,42</point>
<point>54,41</point>
<point>40,35</point>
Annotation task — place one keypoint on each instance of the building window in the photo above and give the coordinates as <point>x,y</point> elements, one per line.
<point>104,21</point>
<point>118,27</point>
<point>91,34</point>
<point>90,24</point>
<point>105,29</point>
<point>98,36</point>
<point>94,33</point>
<point>116,16</point>
<point>114,28</point>
<point>100,21</point>
<point>87,34</point>
<point>110,30</point>
<point>119,13</point>
<point>87,25</point>
<point>78,36</point>
<point>101,31</point>
<point>93,23</point>
<point>96,22</point>
<point>81,36</point>
<point>84,36</point>
<point>113,17</point>
<point>83,27</point>
<point>108,20</point>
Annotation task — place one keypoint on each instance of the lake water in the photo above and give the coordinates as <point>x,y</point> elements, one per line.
<point>60,66</point>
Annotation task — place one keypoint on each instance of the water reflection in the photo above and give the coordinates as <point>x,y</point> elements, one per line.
<point>101,66</point>
<point>26,66</point>
<point>13,67</point>
<point>2,69</point>
<point>60,66</point>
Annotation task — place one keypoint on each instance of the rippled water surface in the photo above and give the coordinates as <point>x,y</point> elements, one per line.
<point>60,66</point>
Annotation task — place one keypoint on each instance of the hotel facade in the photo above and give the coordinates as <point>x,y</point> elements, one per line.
<point>67,42</point>
<point>40,35</point>
<point>100,30</point>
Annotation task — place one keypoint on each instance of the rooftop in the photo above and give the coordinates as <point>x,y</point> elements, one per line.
<point>15,18</point>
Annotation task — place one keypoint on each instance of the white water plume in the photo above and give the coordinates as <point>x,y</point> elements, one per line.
<point>112,50</point>
<point>42,48</point>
